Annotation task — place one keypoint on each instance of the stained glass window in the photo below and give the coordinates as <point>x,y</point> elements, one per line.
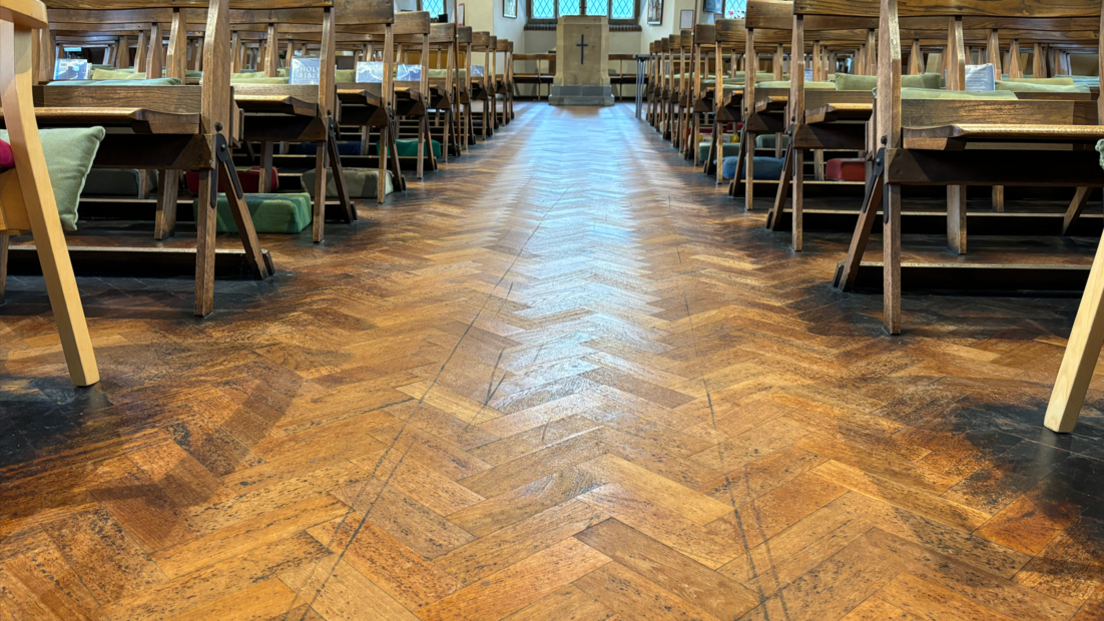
<point>735,9</point>
<point>544,9</point>
<point>623,9</point>
<point>434,7</point>
<point>569,7</point>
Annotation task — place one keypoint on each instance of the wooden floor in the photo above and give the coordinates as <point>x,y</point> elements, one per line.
<point>566,378</point>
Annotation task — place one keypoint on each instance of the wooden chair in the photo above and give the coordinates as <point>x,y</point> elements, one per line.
<point>444,96</point>
<point>296,112</point>
<point>26,198</point>
<point>924,142</point>
<point>483,87</point>
<point>172,128</point>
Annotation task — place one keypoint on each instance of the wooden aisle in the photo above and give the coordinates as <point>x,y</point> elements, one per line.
<point>565,376</point>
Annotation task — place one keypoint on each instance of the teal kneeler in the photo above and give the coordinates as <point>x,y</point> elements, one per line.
<point>272,213</point>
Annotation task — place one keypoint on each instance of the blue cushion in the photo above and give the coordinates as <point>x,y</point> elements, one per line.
<point>766,168</point>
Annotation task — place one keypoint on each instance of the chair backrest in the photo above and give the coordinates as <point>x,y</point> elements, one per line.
<point>958,14</point>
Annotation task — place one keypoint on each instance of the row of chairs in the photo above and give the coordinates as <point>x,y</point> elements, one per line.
<point>207,85</point>
<point>855,78</point>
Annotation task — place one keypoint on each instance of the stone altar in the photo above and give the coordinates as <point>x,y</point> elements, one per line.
<point>582,62</point>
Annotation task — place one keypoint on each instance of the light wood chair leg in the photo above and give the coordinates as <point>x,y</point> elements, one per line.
<point>348,210</point>
<point>998,198</point>
<point>774,216</point>
<point>164,225</point>
<point>421,147</point>
<point>891,259</point>
<point>1082,352</point>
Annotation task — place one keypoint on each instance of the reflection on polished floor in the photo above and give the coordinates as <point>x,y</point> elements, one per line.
<point>574,381</point>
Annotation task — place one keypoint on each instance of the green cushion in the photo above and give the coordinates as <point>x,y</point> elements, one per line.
<point>116,182</point>
<point>849,82</point>
<point>767,141</point>
<point>117,74</point>
<point>1060,81</point>
<point>154,82</point>
<point>249,79</point>
<point>1022,87</point>
<point>930,93</point>
<point>345,76</point>
<point>69,155</point>
<point>727,149</point>
<point>408,147</point>
<point>359,182</point>
<point>272,213</point>
<point>810,85</point>
<point>283,72</point>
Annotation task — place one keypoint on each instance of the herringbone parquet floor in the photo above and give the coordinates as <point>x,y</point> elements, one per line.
<point>565,379</point>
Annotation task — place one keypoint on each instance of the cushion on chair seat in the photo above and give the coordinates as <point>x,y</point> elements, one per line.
<point>767,141</point>
<point>359,182</point>
<point>408,147</point>
<point>116,182</point>
<point>1064,80</point>
<point>766,168</point>
<point>253,78</point>
<point>845,169</point>
<point>1031,87</point>
<point>727,149</point>
<point>117,74</point>
<point>849,82</point>
<point>809,85</point>
<point>932,93</point>
<point>69,154</point>
<point>154,82</point>
<point>271,213</point>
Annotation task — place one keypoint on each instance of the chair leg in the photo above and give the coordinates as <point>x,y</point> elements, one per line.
<point>206,220</point>
<point>875,190</point>
<point>4,237</point>
<point>774,216</point>
<point>265,185</point>
<point>321,182</point>
<point>348,212</point>
<point>956,219</point>
<point>798,198</point>
<point>998,198</point>
<point>749,175</point>
<point>168,189</point>
<point>399,180</point>
<point>1073,212</point>
<point>381,149</point>
<point>1081,355</point>
<point>244,220</point>
<point>421,147</point>
<point>891,259</point>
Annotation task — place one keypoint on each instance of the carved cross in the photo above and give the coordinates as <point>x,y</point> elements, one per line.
<point>582,45</point>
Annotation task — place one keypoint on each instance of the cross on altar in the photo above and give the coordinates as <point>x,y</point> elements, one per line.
<point>582,45</point>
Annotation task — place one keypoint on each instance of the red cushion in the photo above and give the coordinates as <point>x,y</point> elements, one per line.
<point>841,169</point>
<point>250,181</point>
<point>7,158</point>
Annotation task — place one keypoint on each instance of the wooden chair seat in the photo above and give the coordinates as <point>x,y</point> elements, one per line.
<point>831,113</point>
<point>140,120</point>
<point>271,104</point>
<point>957,136</point>
<point>772,105</point>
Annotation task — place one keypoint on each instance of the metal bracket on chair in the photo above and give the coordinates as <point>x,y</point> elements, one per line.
<point>222,154</point>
